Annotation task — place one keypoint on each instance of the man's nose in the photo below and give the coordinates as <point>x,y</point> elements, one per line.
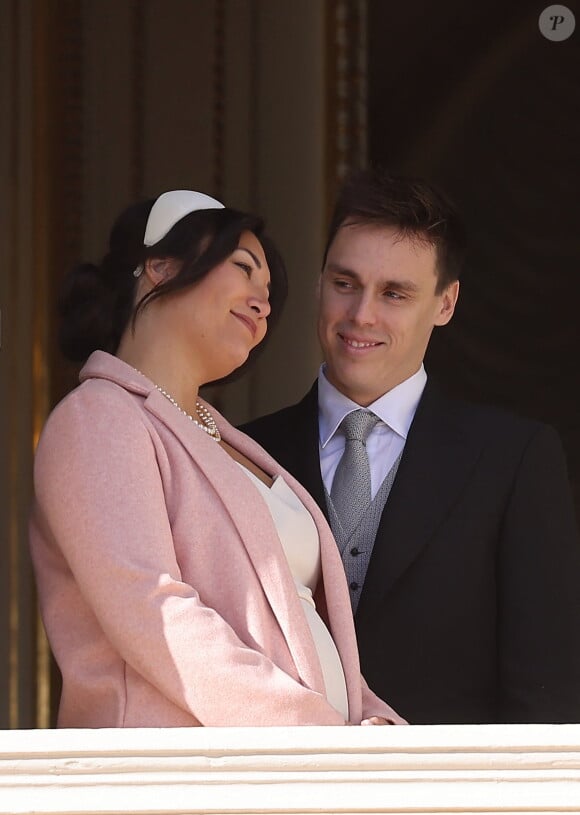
<point>363,310</point>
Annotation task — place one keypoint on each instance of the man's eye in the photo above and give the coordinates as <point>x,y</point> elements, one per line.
<point>343,284</point>
<point>394,295</point>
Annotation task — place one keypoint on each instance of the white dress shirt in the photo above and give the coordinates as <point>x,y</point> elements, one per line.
<point>395,409</point>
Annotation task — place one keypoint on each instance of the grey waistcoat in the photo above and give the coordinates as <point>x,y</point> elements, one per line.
<point>356,548</point>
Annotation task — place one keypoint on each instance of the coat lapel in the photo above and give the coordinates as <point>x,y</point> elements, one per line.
<point>287,607</point>
<point>340,619</point>
<point>436,462</point>
<point>254,523</point>
<point>293,439</point>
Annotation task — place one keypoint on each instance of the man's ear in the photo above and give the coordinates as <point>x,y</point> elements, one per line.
<point>318,287</point>
<point>159,270</point>
<point>448,301</point>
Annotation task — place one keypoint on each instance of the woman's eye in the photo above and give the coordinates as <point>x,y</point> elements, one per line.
<point>245,266</point>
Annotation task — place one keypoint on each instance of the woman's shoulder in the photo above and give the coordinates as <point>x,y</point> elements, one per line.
<point>95,396</point>
<point>98,413</point>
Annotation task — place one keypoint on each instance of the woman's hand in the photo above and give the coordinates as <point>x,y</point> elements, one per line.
<point>376,720</point>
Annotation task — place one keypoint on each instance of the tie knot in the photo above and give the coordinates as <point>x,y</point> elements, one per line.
<point>358,424</point>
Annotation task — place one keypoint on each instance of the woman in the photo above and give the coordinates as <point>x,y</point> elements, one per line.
<point>176,561</point>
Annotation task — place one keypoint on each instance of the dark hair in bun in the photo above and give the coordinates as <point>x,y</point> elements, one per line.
<point>97,302</point>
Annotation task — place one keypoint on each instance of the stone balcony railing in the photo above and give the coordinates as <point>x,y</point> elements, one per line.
<point>416,769</point>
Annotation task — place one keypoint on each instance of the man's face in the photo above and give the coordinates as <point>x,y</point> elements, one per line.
<point>377,309</point>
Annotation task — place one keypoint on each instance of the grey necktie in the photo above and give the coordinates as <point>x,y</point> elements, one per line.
<point>351,486</point>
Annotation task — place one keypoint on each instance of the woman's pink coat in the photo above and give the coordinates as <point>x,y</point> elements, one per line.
<point>163,586</point>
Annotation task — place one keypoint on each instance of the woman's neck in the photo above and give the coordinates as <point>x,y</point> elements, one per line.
<point>165,367</point>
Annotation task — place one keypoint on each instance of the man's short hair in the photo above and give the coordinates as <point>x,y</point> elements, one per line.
<point>412,206</point>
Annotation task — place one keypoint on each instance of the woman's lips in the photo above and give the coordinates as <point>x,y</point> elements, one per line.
<point>247,321</point>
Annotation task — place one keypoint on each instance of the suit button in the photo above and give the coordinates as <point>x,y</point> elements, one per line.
<point>354,551</point>
<point>354,585</point>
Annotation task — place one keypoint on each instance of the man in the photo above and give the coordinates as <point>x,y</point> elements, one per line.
<point>462,554</point>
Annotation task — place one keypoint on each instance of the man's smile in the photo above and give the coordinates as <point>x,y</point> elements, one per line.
<point>358,344</point>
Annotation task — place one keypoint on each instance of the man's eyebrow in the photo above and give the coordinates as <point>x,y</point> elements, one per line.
<point>252,255</point>
<point>344,271</point>
<point>401,284</point>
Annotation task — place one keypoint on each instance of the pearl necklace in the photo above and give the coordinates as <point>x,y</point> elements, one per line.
<point>207,422</point>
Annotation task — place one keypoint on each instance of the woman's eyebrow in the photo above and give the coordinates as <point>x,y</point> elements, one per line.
<point>252,255</point>
<point>256,261</point>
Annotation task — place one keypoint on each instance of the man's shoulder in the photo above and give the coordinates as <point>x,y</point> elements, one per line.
<point>286,421</point>
<point>479,417</point>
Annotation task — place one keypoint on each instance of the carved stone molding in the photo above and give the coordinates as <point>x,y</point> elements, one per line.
<point>417,769</point>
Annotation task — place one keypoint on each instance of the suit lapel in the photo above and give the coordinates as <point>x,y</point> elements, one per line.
<point>438,457</point>
<point>436,462</point>
<point>302,458</point>
<point>296,445</point>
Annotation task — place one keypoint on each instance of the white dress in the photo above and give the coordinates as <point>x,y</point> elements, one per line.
<point>299,536</point>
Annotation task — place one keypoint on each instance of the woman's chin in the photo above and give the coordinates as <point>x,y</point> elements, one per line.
<point>227,369</point>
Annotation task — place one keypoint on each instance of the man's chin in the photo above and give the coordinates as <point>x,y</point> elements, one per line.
<point>354,389</point>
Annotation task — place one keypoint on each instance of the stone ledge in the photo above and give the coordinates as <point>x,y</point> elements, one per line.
<point>415,769</point>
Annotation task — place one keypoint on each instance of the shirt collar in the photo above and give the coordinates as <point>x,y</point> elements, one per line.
<point>396,408</point>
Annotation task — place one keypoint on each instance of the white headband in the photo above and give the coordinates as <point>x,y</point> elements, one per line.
<point>170,208</point>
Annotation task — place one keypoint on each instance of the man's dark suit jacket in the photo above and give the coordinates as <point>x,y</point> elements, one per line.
<point>470,612</point>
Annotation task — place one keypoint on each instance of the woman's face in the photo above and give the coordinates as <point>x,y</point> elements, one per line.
<point>220,319</point>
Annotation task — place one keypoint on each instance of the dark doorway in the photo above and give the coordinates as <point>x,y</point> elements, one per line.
<point>476,99</point>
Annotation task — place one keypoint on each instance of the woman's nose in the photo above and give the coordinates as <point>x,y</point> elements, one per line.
<point>261,305</point>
